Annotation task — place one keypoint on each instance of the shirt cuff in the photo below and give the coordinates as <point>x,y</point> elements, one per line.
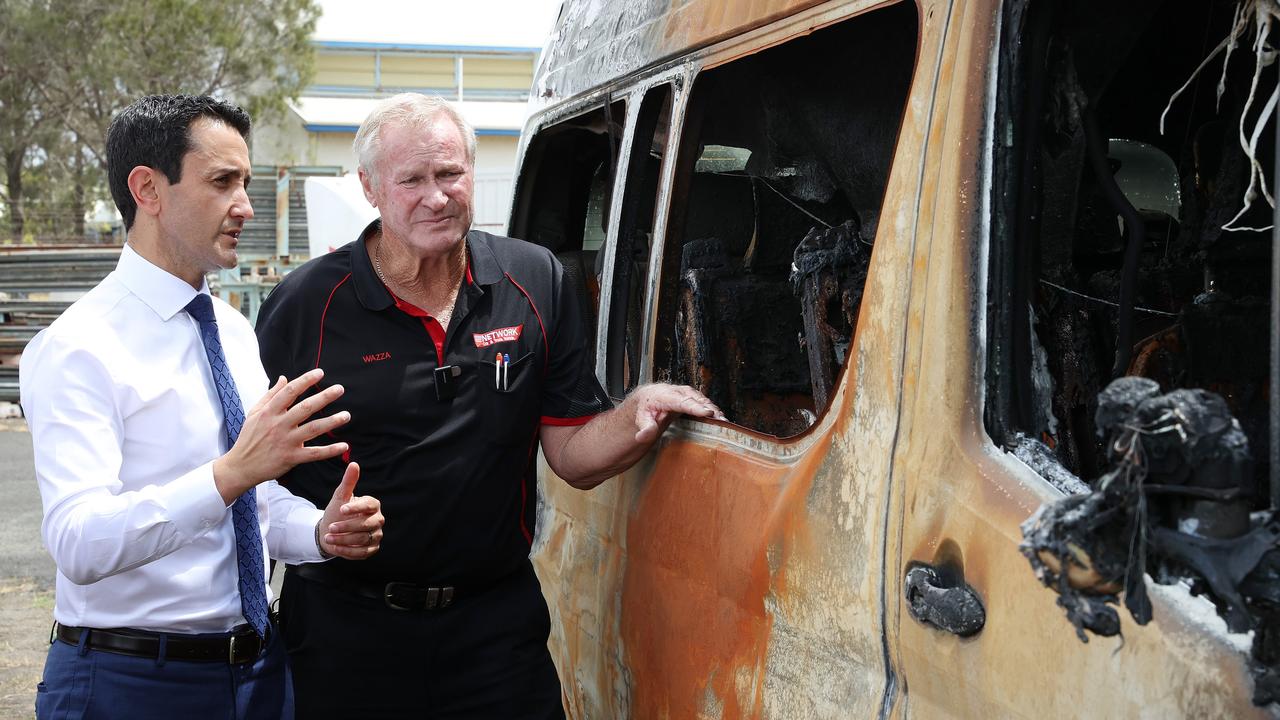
<point>300,533</point>
<point>193,502</point>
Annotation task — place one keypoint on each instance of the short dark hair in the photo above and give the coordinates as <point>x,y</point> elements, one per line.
<point>155,132</point>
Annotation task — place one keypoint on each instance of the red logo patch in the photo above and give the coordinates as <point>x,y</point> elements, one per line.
<point>375,357</point>
<point>506,334</point>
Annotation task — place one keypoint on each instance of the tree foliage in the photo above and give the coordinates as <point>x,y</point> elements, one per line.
<point>67,66</point>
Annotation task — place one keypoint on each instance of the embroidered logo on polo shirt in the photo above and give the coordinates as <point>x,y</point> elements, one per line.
<point>493,337</point>
<point>375,357</point>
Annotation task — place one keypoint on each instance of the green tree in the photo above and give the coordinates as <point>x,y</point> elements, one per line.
<point>21,125</point>
<point>78,62</point>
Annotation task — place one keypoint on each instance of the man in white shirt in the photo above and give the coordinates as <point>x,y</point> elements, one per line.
<point>158,487</point>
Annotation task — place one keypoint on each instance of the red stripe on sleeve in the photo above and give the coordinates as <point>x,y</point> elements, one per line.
<point>566,422</point>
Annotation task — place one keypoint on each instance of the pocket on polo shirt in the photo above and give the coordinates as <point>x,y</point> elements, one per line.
<point>509,380</point>
<point>509,399</point>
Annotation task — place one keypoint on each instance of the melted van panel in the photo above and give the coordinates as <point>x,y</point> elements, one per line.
<point>597,42</point>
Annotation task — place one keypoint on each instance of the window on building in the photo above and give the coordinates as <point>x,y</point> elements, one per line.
<point>783,163</point>
<point>496,77</point>
<point>563,195</point>
<point>345,70</point>
<point>416,72</point>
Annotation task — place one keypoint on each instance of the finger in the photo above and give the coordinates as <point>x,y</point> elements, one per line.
<point>357,553</point>
<point>353,552</point>
<point>363,506</point>
<point>363,524</point>
<point>293,389</point>
<point>699,405</point>
<point>348,485</point>
<point>312,453</point>
<point>648,428</point>
<point>316,428</point>
<point>703,408</point>
<point>361,538</point>
<point>266,397</point>
<point>312,405</point>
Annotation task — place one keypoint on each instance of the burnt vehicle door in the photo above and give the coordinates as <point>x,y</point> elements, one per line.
<point>1046,113</point>
<point>884,237</point>
<point>741,219</point>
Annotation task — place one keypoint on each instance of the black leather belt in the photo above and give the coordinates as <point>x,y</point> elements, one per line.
<point>396,595</point>
<point>241,646</point>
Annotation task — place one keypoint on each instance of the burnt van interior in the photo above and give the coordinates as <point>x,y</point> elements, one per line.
<point>563,203</point>
<point>779,181</point>
<point>1109,235</point>
<point>1129,303</point>
<point>780,175</point>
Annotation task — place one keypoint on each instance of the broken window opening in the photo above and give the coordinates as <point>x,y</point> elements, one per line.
<point>1110,260</point>
<point>779,181</point>
<point>1089,92</point>
<point>635,236</point>
<point>562,199</point>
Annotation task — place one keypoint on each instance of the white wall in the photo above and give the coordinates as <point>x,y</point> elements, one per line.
<point>495,178</point>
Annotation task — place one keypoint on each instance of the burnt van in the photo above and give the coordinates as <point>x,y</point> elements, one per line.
<point>907,246</point>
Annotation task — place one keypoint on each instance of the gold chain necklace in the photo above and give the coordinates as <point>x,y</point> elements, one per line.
<point>377,261</point>
<point>377,268</point>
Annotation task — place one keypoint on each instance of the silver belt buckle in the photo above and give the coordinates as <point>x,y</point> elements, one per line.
<point>231,651</point>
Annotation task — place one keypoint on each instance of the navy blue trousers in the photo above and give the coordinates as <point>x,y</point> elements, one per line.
<point>80,682</point>
<point>483,658</point>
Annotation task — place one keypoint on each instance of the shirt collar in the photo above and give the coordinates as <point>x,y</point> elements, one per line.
<point>482,267</point>
<point>163,292</point>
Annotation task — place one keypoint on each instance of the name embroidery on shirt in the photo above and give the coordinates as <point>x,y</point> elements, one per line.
<point>499,335</point>
<point>375,357</point>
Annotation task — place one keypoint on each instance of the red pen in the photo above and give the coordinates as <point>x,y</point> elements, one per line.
<point>497,371</point>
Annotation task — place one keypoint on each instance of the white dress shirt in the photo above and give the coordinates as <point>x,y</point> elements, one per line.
<point>126,424</point>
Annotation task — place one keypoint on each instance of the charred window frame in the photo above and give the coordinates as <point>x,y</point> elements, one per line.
<point>1008,404</point>
<point>778,184</point>
<point>1087,283</point>
<point>625,329</point>
<point>563,196</point>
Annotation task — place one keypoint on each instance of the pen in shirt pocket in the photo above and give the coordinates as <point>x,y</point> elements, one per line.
<point>506,363</point>
<point>497,371</point>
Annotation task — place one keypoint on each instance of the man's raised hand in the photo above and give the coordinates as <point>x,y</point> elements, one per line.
<point>274,436</point>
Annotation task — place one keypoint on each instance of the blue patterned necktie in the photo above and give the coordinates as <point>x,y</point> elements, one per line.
<point>244,512</point>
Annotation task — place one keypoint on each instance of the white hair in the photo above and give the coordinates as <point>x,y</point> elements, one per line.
<point>411,109</point>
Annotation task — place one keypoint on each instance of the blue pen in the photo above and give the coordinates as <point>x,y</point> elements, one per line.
<point>506,362</point>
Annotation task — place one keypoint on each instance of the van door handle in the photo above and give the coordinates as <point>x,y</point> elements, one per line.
<point>952,607</point>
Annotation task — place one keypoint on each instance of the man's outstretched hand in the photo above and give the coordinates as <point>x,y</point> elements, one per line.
<point>275,434</point>
<point>352,526</point>
<point>656,405</point>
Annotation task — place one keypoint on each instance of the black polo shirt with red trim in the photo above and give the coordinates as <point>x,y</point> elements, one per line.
<point>444,423</point>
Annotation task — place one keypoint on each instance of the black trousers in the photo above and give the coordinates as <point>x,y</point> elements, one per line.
<point>485,656</point>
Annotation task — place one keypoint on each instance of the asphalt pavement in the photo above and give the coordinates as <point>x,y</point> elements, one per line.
<point>22,555</point>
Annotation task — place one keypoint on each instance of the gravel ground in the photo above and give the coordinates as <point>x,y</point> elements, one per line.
<point>26,577</point>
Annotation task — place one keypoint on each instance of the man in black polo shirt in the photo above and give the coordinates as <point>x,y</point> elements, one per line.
<point>460,352</point>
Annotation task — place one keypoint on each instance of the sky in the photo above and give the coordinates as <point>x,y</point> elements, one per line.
<point>485,23</point>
